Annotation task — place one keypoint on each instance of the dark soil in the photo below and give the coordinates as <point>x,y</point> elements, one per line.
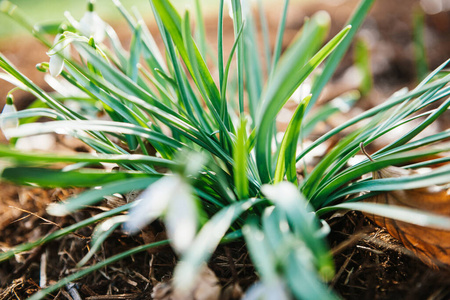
<point>370,264</point>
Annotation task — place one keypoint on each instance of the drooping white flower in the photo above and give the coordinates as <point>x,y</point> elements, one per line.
<point>302,91</point>
<point>267,291</point>
<point>91,25</point>
<point>245,7</point>
<point>60,50</point>
<point>8,123</point>
<point>170,197</point>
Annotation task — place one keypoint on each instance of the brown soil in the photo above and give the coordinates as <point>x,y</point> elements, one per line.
<point>369,263</point>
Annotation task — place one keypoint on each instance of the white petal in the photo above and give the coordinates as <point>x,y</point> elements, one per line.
<point>56,65</point>
<point>9,123</point>
<point>181,219</point>
<point>61,47</point>
<point>283,191</point>
<point>302,91</point>
<point>92,25</point>
<point>264,291</point>
<point>152,203</point>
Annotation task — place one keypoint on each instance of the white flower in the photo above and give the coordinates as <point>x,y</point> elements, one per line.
<point>91,25</point>
<point>245,7</point>
<point>302,91</point>
<point>267,291</point>
<point>9,123</point>
<point>169,197</point>
<point>60,50</point>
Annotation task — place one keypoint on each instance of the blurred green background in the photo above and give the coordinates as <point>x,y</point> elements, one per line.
<point>53,10</point>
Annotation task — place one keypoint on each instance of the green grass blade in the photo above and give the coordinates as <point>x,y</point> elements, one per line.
<point>420,54</point>
<point>100,234</point>
<point>107,126</point>
<point>438,176</point>
<point>404,214</point>
<point>285,81</point>
<point>55,178</point>
<point>362,63</point>
<point>93,196</point>
<point>279,39</point>
<point>330,66</point>
<point>32,157</point>
<point>207,240</point>
<point>240,153</point>
<point>237,24</point>
<point>200,34</point>
<point>286,163</point>
<point>173,23</point>
<point>259,250</point>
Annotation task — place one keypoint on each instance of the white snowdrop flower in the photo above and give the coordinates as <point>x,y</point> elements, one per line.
<point>9,123</point>
<point>181,219</point>
<point>60,50</point>
<point>245,6</point>
<point>302,91</point>
<point>267,291</point>
<point>169,197</point>
<point>281,192</point>
<point>91,25</point>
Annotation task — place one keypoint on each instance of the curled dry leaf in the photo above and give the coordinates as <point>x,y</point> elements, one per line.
<point>431,245</point>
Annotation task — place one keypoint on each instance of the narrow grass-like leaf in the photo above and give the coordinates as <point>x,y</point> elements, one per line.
<point>95,195</point>
<point>172,22</point>
<point>419,43</point>
<point>330,66</point>
<point>240,154</point>
<point>286,163</point>
<point>279,38</point>
<point>32,157</point>
<point>259,251</point>
<point>405,214</point>
<point>101,233</point>
<point>207,240</point>
<point>284,83</point>
<point>44,177</point>
<point>438,176</point>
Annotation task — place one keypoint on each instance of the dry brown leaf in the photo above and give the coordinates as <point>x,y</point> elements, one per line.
<point>431,245</point>
<point>207,287</point>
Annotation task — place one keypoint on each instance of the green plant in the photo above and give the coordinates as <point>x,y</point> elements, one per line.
<point>215,141</point>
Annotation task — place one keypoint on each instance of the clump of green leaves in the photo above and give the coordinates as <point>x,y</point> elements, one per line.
<point>205,149</point>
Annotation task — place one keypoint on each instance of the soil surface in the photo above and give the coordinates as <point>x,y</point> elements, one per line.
<point>370,264</point>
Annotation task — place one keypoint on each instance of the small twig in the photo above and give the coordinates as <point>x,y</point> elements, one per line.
<point>43,270</point>
<point>342,269</point>
<point>37,216</point>
<point>363,150</point>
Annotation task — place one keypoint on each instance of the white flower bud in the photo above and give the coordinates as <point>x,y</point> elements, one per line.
<point>60,50</point>
<point>10,122</point>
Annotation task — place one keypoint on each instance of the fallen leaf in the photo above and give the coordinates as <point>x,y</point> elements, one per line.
<point>431,245</point>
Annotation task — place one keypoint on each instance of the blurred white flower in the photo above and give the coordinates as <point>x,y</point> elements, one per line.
<point>284,191</point>
<point>267,291</point>
<point>302,91</point>
<point>245,6</point>
<point>60,50</point>
<point>170,197</point>
<point>8,123</point>
<point>91,25</point>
